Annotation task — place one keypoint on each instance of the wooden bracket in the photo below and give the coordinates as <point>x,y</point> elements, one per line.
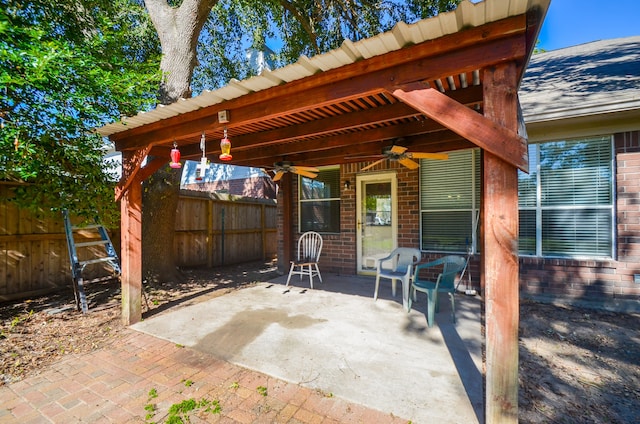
<point>481,131</point>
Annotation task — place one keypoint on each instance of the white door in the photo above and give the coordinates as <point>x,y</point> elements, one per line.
<point>376,227</point>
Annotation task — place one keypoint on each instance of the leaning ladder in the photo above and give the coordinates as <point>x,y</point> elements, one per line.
<point>77,266</point>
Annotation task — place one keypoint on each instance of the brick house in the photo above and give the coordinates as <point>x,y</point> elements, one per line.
<point>579,205</point>
<point>587,98</point>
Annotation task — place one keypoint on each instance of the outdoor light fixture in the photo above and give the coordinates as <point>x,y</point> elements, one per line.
<point>347,184</point>
<point>225,147</point>
<point>175,157</point>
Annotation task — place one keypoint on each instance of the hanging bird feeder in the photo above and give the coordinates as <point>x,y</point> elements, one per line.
<point>225,147</point>
<point>175,157</point>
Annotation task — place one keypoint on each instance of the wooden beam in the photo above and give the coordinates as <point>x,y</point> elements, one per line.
<point>363,152</point>
<point>360,79</point>
<point>131,252</point>
<point>279,141</point>
<point>325,126</point>
<point>263,153</point>
<point>350,141</point>
<point>500,252</point>
<point>131,163</point>
<point>483,132</point>
<point>142,174</point>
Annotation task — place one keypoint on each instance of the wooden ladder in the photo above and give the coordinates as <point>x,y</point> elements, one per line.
<point>77,266</point>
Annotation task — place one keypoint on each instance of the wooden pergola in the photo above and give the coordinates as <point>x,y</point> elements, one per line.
<point>440,90</point>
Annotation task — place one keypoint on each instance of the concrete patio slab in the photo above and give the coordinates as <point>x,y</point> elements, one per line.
<point>337,340</point>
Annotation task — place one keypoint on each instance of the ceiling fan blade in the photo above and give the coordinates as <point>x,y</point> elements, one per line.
<point>409,163</point>
<point>306,168</point>
<point>373,164</point>
<point>303,172</point>
<point>439,156</point>
<point>397,150</point>
<point>278,175</point>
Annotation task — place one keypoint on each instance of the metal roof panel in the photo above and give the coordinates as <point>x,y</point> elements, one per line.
<point>466,15</point>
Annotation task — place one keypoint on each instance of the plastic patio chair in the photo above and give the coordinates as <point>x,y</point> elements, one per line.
<point>402,260</point>
<point>451,266</point>
<point>306,263</point>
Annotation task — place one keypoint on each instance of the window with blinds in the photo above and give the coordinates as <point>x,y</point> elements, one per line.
<point>450,201</point>
<point>319,203</point>
<point>566,202</point>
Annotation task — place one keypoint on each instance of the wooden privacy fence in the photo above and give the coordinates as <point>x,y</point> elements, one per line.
<point>211,230</point>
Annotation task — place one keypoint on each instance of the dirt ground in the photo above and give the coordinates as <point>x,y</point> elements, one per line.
<point>576,365</point>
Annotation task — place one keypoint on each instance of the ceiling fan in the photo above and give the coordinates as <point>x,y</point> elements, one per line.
<point>405,158</point>
<point>280,168</point>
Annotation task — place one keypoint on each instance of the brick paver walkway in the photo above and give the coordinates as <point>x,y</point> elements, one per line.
<point>139,379</point>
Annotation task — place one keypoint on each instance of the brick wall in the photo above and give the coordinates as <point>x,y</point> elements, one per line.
<point>607,282</point>
<point>339,250</point>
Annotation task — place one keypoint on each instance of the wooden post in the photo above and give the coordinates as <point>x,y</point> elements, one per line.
<point>263,226</point>
<point>500,250</point>
<point>287,218</point>
<point>131,251</point>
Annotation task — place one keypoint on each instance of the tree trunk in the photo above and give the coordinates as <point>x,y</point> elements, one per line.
<point>178,29</point>
<point>160,201</point>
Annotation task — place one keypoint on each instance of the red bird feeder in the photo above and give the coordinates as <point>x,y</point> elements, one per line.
<point>175,157</point>
<point>225,147</point>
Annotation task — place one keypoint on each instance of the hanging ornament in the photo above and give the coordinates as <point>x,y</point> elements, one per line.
<point>175,157</point>
<point>202,167</point>
<point>225,147</point>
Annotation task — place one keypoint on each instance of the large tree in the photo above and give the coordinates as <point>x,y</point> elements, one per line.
<point>65,69</point>
<point>204,45</point>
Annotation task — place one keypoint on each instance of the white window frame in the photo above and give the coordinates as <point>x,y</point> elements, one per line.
<point>539,208</point>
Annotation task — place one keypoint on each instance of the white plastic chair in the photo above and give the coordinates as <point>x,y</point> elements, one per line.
<point>309,248</point>
<point>402,261</point>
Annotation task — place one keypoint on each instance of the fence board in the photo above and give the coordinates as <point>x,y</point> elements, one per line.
<point>34,257</point>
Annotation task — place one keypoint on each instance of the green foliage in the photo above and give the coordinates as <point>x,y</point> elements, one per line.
<point>179,413</point>
<point>65,70</point>
<point>150,407</point>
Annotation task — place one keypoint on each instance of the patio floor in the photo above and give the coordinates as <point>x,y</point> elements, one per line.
<point>337,341</point>
<point>330,355</point>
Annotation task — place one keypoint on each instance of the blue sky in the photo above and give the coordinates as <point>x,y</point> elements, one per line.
<point>573,22</point>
